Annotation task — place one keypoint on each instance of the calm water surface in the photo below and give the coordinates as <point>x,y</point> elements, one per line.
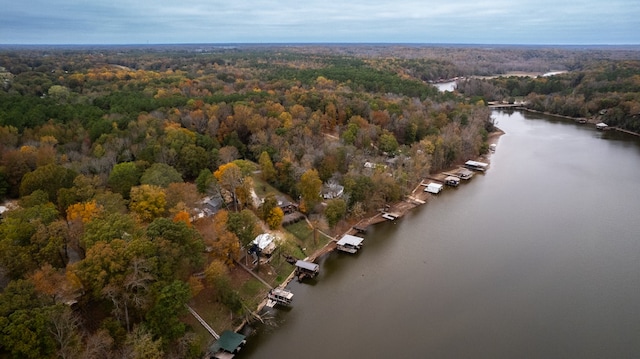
<point>538,258</point>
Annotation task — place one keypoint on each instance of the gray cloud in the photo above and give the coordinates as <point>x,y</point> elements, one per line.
<point>462,21</point>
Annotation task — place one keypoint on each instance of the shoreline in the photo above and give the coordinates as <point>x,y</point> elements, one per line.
<point>415,198</point>
<point>591,120</point>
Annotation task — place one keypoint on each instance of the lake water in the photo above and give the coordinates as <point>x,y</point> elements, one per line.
<point>537,258</point>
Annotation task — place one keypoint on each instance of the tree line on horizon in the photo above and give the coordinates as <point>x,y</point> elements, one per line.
<point>606,90</point>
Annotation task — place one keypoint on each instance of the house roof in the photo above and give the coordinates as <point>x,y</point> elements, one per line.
<point>229,341</point>
<point>264,240</point>
<point>476,164</point>
<point>351,240</point>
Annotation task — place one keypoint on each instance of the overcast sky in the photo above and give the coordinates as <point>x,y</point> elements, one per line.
<point>312,21</point>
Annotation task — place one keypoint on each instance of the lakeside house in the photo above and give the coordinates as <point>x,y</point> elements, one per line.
<point>285,205</point>
<point>208,207</point>
<point>331,190</point>
<point>602,126</point>
<point>263,245</point>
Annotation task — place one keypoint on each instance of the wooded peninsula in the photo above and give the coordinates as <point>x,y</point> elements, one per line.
<point>135,179</point>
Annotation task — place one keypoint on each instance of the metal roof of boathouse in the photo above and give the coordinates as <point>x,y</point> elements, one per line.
<point>348,239</point>
<point>307,265</point>
<point>229,341</point>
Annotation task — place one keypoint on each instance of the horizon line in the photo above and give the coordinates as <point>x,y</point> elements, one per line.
<point>319,43</point>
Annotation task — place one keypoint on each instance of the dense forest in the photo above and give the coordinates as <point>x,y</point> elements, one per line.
<point>109,157</point>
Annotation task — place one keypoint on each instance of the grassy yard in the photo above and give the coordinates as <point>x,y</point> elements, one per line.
<point>297,240</point>
<point>261,187</point>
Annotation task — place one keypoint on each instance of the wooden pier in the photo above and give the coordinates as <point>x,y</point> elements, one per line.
<point>330,247</point>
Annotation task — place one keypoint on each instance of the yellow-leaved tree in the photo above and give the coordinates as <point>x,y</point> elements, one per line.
<point>230,177</point>
<point>147,202</point>
<point>274,217</point>
<point>226,246</point>
<point>84,211</point>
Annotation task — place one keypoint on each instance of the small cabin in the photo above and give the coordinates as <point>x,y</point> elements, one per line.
<point>349,243</point>
<point>279,296</point>
<point>433,187</point>
<point>452,181</point>
<point>476,166</point>
<point>306,269</point>
<point>602,126</point>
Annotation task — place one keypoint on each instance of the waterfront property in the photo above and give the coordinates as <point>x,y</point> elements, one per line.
<point>433,187</point>
<point>306,269</point>
<point>279,296</point>
<point>349,243</point>
<point>389,216</point>
<point>476,166</point>
<point>452,181</point>
<point>463,173</point>
<point>263,245</point>
<point>228,345</point>
<point>602,126</point>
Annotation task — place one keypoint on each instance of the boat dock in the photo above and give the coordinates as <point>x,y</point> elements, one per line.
<point>390,216</point>
<point>305,269</point>
<point>349,243</point>
<point>279,296</point>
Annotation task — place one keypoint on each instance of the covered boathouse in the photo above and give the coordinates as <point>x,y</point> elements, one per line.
<point>306,269</point>
<point>476,166</point>
<point>463,173</point>
<point>349,243</point>
<point>452,181</point>
<point>433,187</point>
<point>227,346</point>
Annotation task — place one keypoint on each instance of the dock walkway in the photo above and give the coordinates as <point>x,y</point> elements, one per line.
<point>203,322</point>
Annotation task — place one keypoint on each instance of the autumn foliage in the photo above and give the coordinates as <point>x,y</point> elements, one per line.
<point>116,160</point>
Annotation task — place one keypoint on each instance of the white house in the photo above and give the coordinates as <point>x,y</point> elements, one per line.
<point>266,242</point>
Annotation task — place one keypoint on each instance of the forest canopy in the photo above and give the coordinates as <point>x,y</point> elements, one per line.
<point>137,175</point>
